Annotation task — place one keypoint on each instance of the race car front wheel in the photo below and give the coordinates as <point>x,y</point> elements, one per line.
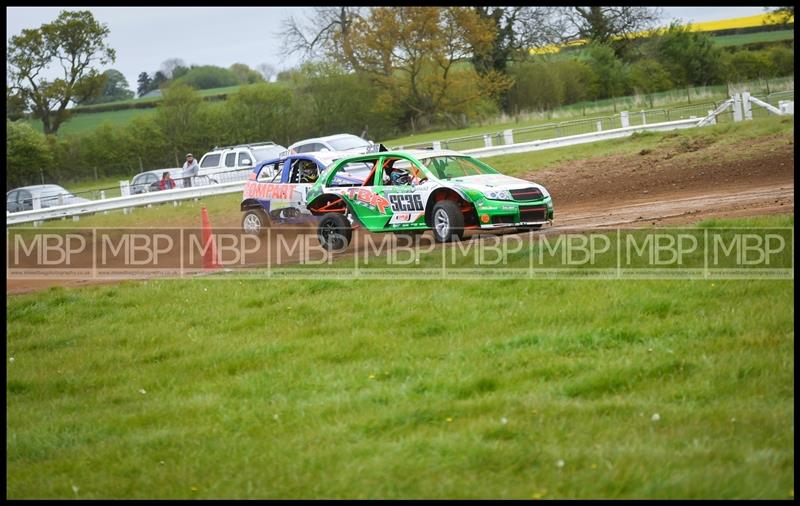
<point>334,232</point>
<point>448,222</point>
<point>255,221</point>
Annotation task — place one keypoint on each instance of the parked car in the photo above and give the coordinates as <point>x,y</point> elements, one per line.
<point>276,189</point>
<point>340,142</point>
<point>231,163</point>
<point>50,195</point>
<point>148,181</point>
<point>417,190</point>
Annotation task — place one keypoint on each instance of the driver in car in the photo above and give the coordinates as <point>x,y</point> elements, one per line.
<point>308,173</point>
<point>397,177</point>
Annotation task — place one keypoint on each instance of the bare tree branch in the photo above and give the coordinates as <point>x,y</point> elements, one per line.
<point>607,25</point>
<point>325,32</point>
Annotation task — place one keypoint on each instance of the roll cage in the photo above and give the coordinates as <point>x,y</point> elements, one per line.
<point>380,163</point>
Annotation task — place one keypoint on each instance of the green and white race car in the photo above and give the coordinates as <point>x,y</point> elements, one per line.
<point>417,190</point>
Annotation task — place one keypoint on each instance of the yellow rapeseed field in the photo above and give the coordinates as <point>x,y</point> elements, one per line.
<point>705,26</point>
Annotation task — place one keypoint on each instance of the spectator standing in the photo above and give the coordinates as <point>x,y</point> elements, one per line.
<point>190,170</point>
<point>166,183</point>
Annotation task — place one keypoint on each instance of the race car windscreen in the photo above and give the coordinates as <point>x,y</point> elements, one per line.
<point>346,143</point>
<point>447,167</point>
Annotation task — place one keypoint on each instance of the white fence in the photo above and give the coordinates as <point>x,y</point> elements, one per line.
<point>741,106</point>
<point>126,203</point>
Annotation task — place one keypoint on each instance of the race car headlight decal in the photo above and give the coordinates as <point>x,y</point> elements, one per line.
<point>499,195</point>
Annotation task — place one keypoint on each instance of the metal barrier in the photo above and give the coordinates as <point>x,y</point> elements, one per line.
<point>689,111</point>
<point>125,203</point>
<point>775,97</point>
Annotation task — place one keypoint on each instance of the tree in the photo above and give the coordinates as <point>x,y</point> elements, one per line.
<point>75,41</point>
<point>515,31</point>
<point>782,61</point>
<point>690,57</point>
<point>144,83</point>
<point>169,65</point>
<point>158,79</point>
<point>245,74</point>
<point>578,80</point>
<point>178,116</point>
<point>267,70</point>
<point>206,77</point>
<point>412,53</point>
<point>648,76</point>
<point>536,87</point>
<point>611,26</point>
<point>325,32</point>
<point>747,65</point>
<point>27,153</point>
<point>116,88</point>
<point>259,113</point>
<point>609,70</point>
<point>780,15</point>
<point>15,105</point>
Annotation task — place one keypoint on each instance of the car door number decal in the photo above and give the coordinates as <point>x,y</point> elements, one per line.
<point>406,202</point>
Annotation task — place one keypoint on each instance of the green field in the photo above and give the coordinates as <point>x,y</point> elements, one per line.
<point>84,120</point>
<point>203,93</point>
<point>751,38</point>
<point>87,122</point>
<point>224,388</point>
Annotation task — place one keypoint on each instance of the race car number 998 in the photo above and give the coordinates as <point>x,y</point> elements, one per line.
<point>406,202</point>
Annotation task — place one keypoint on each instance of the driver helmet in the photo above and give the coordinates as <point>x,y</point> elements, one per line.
<point>309,172</point>
<point>400,177</point>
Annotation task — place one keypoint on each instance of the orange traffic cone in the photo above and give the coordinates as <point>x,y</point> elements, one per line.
<point>209,247</point>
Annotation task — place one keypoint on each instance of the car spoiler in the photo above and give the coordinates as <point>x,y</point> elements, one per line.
<point>376,148</point>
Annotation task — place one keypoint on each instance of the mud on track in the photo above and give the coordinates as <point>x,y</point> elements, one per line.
<point>669,186</point>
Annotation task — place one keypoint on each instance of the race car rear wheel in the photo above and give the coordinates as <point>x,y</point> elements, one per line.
<point>448,222</point>
<point>334,232</point>
<point>255,221</point>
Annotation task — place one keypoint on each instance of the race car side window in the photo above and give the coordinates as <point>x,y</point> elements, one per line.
<point>304,171</point>
<point>266,170</point>
<point>353,174</point>
<point>297,167</point>
<point>278,168</point>
<point>415,175</point>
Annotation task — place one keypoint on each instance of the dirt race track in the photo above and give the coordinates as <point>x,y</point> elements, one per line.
<point>658,187</point>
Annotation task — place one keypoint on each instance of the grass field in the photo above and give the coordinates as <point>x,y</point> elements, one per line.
<point>87,122</point>
<point>223,388</point>
<point>751,38</point>
<point>84,120</point>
